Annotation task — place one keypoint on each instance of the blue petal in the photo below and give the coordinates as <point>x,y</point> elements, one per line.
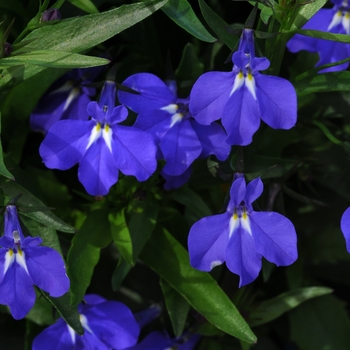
<point>212,138</point>
<point>154,341</point>
<point>134,152</point>
<point>242,258</point>
<point>55,337</point>
<point>207,241</point>
<point>241,117</point>
<point>254,191</point>
<point>11,222</point>
<point>107,98</point>
<point>180,147</point>
<point>277,101</point>
<point>17,291</point>
<point>113,323</point>
<point>47,270</point>
<point>210,95</point>
<point>275,237</point>
<point>65,143</point>
<point>237,193</point>
<point>154,94</point>
<point>173,182</point>
<point>97,170</point>
<point>345,227</point>
<point>94,299</point>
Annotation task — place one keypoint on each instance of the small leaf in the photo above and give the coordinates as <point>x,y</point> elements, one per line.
<point>273,308</point>
<point>85,5</point>
<point>199,289</point>
<point>177,307</point>
<point>121,235</point>
<point>218,25</point>
<point>85,252</point>
<point>180,11</point>
<point>69,313</point>
<point>3,169</point>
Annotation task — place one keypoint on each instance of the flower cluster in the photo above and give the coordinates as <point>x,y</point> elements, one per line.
<point>180,139</point>
<point>100,145</point>
<point>335,20</point>
<point>242,236</point>
<point>23,263</point>
<point>244,96</point>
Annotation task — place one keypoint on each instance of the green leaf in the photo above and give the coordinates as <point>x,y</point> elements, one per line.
<point>180,11</point>
<point>271,309</point>
<point>177,307</point>
<point>121,235</point>
<point>41,313</point>
<point>340,38</point>
<point>12,189</point>
<point>3,169</point>
<point>218,25</point>
<point>85,252</point>
<point>69,313</point>
<point>85,5</point>
<point>51,58</point>
<point>306,12</point>
<point>334,81</point>
<point>79,34</point>
<point>141,224</point>
<point>198,288</point>
<point>320,324</point>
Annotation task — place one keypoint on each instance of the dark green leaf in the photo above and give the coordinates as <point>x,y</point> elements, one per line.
<point>121,235</point>
<point>198,288</point>
<point>307,10</point>
<point>3,169</point>
<point>85,252</point>
<point>177,307</point>
<point>12,189</point>
<point>270,309</point>
<point>41,313</point>
<point>218,25</point>
<point>141,224</point>
<point>180,11</point>
<point>320,324</point>
<point>69,313</point>
<point>341,38</point>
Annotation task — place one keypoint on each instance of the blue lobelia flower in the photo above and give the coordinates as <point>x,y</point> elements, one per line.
<point>23,263</point>
<point>241,97</point>
<point>107,325</point>
<point>67,99</point>
<point>345,227</point>
<point>166,117</point>
<point>241,236</point>
<point>335,20</point>
<point>160,341</point>
<point>101,146</point>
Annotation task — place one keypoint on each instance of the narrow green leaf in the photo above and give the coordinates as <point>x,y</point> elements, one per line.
<point>85,5</point>
<point>121,235</point>
<point>198,288</point>
<point>177,307</point>
<point>69,313</point>
<point>218,25</point>
<point>79,34</point>
<point>12,189</point>
<point>51,58</point>
<point>334,81</point>
<point>3,169</point>
<point>141,225</point>
<point>190,67</point>
<point>307,11</point>
<point>341,38</point>
<point>85,252</point>
<point>181,12</point>
<point>273,308</point>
